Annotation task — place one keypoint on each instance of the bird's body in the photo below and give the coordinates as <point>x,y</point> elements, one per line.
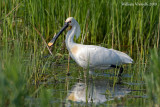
<point>96,57</point>
<point>91,56</point>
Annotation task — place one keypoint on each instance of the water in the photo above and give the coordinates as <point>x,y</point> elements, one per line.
<point>101,89</point>
<point>96,92</point>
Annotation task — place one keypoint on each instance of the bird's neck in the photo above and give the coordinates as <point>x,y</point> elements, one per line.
<point>69,37</point>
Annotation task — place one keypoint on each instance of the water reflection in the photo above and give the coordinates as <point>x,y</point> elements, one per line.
<point>97,91</point>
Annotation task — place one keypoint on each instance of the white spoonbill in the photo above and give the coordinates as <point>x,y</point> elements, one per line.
<point>90,56</point>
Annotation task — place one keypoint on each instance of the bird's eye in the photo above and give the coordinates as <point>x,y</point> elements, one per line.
<point>69,21</point>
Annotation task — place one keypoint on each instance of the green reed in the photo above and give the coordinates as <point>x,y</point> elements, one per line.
<point>131,29</point>
<point>152,78</point>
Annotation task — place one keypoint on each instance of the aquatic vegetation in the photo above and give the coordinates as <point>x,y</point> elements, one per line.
<point>28,70</point>
<point>152,78</point>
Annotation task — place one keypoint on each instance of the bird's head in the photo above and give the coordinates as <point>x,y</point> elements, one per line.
<point>70,21</point>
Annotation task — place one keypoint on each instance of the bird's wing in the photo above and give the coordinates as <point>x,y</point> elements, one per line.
<point>100,56</point>
<point>123,56</point>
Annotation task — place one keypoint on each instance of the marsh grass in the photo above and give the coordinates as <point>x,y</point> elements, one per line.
<point>25,61</point>
<point>13,76</point>
<point>152,78</point>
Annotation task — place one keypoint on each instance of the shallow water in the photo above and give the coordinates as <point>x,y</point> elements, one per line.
<point>101,89</point>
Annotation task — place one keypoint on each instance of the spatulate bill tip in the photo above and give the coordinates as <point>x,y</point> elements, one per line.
<point>50,44</point>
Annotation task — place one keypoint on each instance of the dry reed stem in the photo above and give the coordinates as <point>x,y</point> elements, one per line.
<point>18,5</point>
<point>43,40</point>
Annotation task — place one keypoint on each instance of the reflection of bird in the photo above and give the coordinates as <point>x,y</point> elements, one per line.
<point>97,92</point>
<point>91,56</point>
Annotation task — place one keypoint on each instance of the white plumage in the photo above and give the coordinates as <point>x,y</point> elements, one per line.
<point>94,57</point>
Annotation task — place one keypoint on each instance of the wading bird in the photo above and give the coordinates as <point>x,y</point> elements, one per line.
<point>90,56</point>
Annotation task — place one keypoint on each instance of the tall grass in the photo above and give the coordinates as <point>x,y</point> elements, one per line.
<point>132,29</point>
<point>152,78</point>
<point>13,76</point>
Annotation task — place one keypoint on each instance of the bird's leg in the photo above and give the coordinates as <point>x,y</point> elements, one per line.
<point>88,74</point>
<point>120,72</point>
<point>121,69</point>
<point>68,65</point>
<point>91,72</point>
